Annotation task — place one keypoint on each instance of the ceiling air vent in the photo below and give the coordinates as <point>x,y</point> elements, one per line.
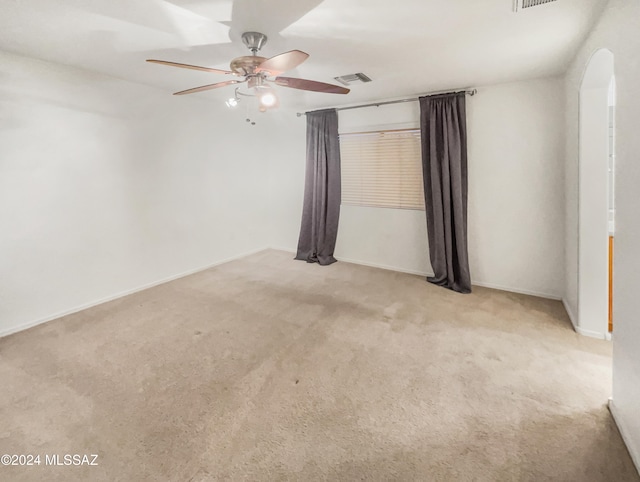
<point>352,78</point>
<point>529,3</point>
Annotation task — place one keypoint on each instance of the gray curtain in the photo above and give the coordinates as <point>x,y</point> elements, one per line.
<point>444,170</point>
<point>322,190</point>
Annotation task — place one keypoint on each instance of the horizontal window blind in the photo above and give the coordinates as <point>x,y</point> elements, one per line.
<point>382,169</point>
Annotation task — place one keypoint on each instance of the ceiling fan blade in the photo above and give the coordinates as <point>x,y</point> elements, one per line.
<point>312,85</point>
<point>209,87</point>
<point>283,62</point>
<point>187,66</point>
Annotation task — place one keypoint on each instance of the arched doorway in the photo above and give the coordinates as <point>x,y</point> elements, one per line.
<point>596,208</point>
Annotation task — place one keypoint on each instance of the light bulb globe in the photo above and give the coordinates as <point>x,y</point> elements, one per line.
<point>268,99</point>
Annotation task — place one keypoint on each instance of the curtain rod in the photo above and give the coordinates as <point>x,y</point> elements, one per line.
<point>470,92</point>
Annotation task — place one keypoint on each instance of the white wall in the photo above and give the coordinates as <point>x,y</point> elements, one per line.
<point>593,299</point>
<point>593,285</point>
<point>516,219</point>
<point>516,223</point>
<point>286,154</point>
<point>108,186</point>
<point>619,31</point>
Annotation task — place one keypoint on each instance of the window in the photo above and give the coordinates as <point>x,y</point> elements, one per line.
<point>382,169</point>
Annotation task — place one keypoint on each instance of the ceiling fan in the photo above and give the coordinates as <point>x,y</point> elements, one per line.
<point>258,72</point>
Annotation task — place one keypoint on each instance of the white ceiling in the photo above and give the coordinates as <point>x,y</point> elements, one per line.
<point>407,47</point>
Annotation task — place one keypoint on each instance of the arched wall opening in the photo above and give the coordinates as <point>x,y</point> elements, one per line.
<point>596,208</point>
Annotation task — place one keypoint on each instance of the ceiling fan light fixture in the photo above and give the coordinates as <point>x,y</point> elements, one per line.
<point>268,99</point>
<point>232,102</point>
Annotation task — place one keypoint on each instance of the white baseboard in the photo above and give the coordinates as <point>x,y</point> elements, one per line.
<point>539,294</point>
<point>76,309</point>
<point>572,317</point>
<point>626,436</point>
<point>384,266</point>
<point>582,331</point>
<point>427,273</point>
<point>364,263</point>
<point>286,250</point>
<point>591,334</point>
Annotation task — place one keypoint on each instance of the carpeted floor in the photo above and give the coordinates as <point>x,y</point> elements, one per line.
<point>267,368</point>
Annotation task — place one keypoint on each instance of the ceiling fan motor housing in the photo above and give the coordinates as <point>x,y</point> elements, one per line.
<point>246,65</point>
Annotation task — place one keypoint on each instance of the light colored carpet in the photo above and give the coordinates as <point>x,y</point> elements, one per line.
<point>272,369</point>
